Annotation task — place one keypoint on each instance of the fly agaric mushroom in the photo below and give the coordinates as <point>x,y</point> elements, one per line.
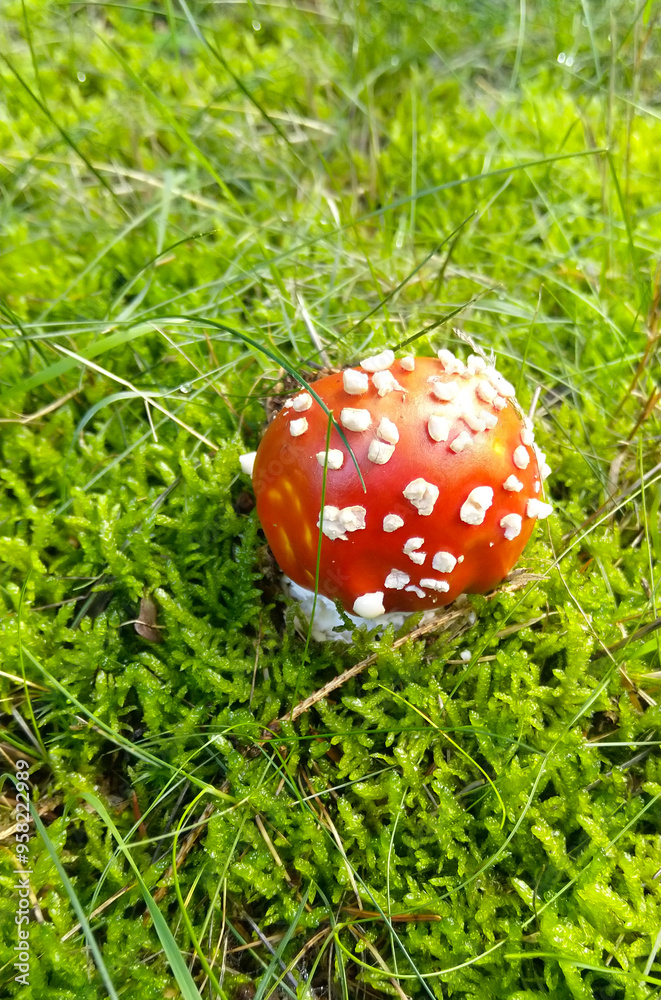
<point>452,479</point>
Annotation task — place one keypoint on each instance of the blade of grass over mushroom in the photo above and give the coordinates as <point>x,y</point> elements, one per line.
<point>288,368</point>
<point>320,538</point>
<point>76,905</point>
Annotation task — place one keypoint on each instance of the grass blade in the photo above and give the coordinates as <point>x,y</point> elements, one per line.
<point>189,990</point>
<point>76,904</point>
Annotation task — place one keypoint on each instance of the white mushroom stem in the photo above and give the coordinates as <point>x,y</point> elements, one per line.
<point>327,626</point>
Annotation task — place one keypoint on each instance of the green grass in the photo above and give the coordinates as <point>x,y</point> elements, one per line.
<point>194,199</point>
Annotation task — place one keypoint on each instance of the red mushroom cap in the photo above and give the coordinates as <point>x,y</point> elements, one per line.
<point>452,475</point>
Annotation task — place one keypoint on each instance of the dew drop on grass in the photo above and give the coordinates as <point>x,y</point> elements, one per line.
<point>184,387</point>
<point>561,57</point>
<point>81,76</point>
<point>256,25</point>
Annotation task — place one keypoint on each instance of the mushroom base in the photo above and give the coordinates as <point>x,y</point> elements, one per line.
<point>326,618</point>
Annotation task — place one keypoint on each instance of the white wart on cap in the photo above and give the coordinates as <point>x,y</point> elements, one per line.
<point>369,605</point>
<point>378,362</point>
<point>476,505</point>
